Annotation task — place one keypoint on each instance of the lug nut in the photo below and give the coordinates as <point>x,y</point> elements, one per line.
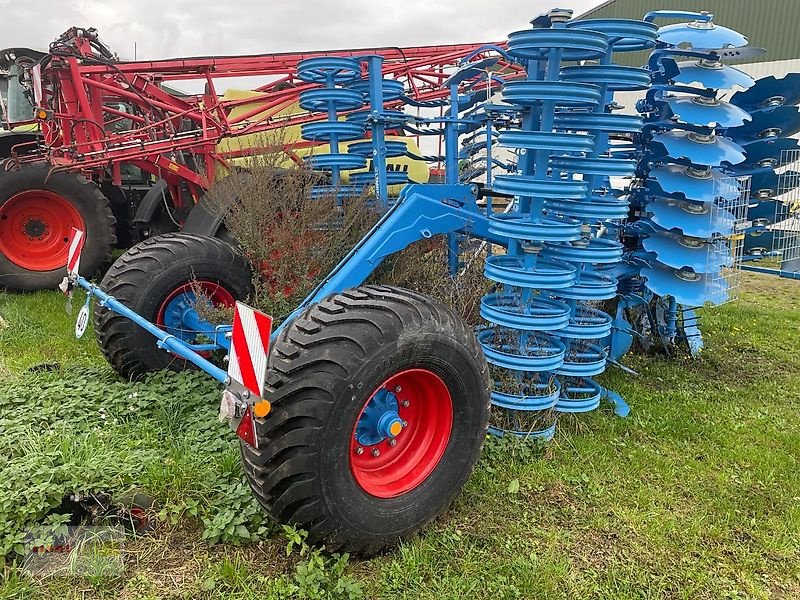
<point>393,442</point>
<point>376,452</point>
<point>405,423</point>
<point>398,389</point>
<point>405,403</point>
<point>359,450</point>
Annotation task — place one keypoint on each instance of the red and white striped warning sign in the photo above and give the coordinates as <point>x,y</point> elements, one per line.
<point>247,363</point>
<point>77,239</point>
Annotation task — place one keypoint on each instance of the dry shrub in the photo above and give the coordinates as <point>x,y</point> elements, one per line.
<point>294,239</point>
<point>423,267</point>
<point>291,237</point>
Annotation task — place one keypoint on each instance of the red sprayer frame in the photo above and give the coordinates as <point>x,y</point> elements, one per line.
<point>173,136</point>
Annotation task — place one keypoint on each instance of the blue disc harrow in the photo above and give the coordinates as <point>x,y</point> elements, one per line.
<point>681,238</point>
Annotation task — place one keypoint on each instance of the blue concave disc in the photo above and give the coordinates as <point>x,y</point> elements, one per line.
<point>703,186</point>
<point>706,112</point>
<point>769,91</point>
<point>690,289</point>
<point>700,150</point>
<point>712,75</point>
<point>692,219</point>
<point>769,153</point>
<point>700,36</point>
<point>782,121</point>
<point>679,252</point>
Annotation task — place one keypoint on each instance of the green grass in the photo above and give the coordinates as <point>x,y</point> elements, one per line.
<point>695,495</point>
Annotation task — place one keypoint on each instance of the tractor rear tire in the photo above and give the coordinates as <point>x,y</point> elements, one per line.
<point>327,369</point>
<point>37,213</point>
<point>150,275</point>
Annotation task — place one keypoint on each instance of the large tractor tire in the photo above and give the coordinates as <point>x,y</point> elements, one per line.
<point>37,214</point>
<point>158,278</point>
<point>380,404</point>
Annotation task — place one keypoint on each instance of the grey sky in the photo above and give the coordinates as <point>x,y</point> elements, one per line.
<point>164,28</point>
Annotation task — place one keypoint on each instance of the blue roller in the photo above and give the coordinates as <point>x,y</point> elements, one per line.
<point>321,131</point>
<point>680,252</point>
<point>393,148</point>
<point>545,274</point>
<point>584,360</point>
<point>587,322</point>
<point>537,44</point>
<point>590,286</point>
<point>704,220</point>
<point>546,140</point>
<point>523,227</point>
<point>392,88</point>
<point>520,351</point>
<point>338,99</point>
<point>539,397</point>
<point>533,93</point>
<point>707,112</point>
<point>366,178</point>
<point>700,149</point>
<point>540,314</point>
<point>543,188</point>
<point>769,92</point>
<point>607,122</point>
<point>331,161</point>
<point>712,74</point>
<point>703,185</point>
<point>618,78</point>
<point>581,395</point>
<point>564,200</point>
<point>688,288</point>
<point>611,167</point>
<point>595,251</point>
<point>329,70</point>
<point>624,35</point>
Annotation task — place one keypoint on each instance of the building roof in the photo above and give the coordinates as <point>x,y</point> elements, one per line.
<point>770,24</point>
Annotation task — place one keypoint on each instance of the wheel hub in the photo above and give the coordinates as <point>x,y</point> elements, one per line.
<point>380,420</point>
<point>170,315</point>
<point>401,433</point>
<point>35,228</point>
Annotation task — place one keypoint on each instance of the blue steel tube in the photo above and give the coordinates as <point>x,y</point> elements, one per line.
<point>166,340</point>
<point>451,172</point>
<point>375,70</point>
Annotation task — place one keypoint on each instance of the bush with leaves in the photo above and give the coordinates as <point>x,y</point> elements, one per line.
<point>85,432</point>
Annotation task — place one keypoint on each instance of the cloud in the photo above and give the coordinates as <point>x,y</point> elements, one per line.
<point>161,29</point>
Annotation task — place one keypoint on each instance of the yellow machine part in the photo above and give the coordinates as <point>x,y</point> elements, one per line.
<point>287,136</point>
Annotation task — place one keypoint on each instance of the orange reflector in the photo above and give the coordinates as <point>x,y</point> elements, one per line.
<point>261,408</point>
<point>41,114</point>
<point>395,428</point>
<point>247,429</point>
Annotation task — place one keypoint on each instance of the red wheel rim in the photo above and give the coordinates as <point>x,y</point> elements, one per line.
<point>387,470</point>
<point>35,227</point>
